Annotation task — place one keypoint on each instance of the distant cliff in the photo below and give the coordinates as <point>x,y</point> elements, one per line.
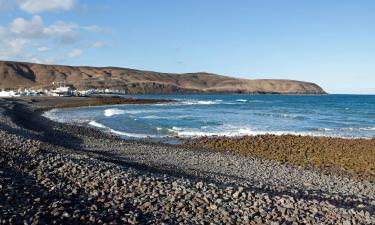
<point>26,75</point>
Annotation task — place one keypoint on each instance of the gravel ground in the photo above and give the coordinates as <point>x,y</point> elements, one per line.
<point>64,174</point>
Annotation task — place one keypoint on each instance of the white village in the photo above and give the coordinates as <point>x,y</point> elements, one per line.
<point>59,89</point>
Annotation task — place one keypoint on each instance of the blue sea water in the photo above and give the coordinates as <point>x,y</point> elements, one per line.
<point>348,116</point>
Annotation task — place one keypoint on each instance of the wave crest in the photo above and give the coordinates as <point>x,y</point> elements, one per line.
<point>202,102</point>
<point>348,129</point>
<point>96,124</point>
<point>113,112</point>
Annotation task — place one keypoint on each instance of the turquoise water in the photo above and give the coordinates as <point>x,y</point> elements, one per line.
<point>232,115</point>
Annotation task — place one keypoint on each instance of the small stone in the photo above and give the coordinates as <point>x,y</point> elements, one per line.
<point>219,200</point>
<point>56,213</point>
<point>361,206</point>
<point>199,184</point>
<point>146,205</point>
<point>94,208</point>
<point>92,219</point>
<point>235,194</point>
<point>281,209</point>
<point>213,207</point>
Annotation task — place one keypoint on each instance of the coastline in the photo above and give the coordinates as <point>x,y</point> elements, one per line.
<point>352,157</point>
<point>36,138</point>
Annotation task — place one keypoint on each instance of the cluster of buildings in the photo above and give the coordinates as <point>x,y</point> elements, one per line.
<point>19,93</point>
<point>58,91</point>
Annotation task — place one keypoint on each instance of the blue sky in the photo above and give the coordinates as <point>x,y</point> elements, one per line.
<point>328,42</point>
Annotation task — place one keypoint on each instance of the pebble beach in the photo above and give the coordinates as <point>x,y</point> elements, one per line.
<point>53,173</point>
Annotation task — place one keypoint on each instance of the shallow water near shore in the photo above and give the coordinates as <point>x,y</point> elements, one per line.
<point>347,116</point>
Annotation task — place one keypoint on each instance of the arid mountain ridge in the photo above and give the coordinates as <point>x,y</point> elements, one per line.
<point>15,75</point>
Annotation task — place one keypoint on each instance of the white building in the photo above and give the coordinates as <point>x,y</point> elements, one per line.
<point>10,93</point>
<point>62,91</point>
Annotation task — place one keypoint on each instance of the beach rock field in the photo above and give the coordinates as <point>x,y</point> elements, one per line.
<point>52,173</point>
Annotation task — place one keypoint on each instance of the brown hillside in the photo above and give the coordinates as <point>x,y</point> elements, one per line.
<point>26,75</point>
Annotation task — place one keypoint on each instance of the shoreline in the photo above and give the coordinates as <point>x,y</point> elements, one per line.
<point>229,145</point>
<point>70,162</point>
<point>352,157</point>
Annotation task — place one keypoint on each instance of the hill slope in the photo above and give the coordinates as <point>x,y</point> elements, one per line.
<point>26,75</point>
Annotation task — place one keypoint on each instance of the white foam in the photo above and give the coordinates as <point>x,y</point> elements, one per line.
<point>188,132</point>
<point>122,133</point>
<point>251,101</point>
<point>51,114</point>
<point>259,101</point>
<point>96,124</point>
<point>348,129</point>
<point>113,112</point>
<point>325,129</point>
<point>55,115</point>
<point>153,117</point>
<point>201,102</point>
<point>191,132</point>
<point>368,129</point>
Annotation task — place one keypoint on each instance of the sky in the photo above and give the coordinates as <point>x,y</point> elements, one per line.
<point>328,42</point>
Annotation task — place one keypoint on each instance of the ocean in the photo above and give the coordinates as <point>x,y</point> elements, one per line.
<point>346,116</point>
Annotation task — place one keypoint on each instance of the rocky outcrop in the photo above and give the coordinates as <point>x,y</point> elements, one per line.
<point>26,75</point>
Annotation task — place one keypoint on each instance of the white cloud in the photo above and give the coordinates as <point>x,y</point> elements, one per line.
<point>66,32</point>
<point>12,48</point>
<point>42,49</point>
<point>93,28</point>
<point>7,4</point>
<point>98,44</point>
<point>75,53</point>
<point>37,6</point>
<point>28,28</point>
<point>18,44</point>
<point>61,28</point>
<point>28,39</point>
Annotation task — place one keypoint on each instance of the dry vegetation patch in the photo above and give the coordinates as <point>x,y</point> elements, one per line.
<point>351,156</point>
<point>98,101</point>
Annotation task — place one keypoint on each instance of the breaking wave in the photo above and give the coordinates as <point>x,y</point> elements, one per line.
<point>348,129</point>
<point>121,133</point>
<point>113,112</point>
<point>96,124</point>
<point>251,101</point>
<point>201,102</point>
